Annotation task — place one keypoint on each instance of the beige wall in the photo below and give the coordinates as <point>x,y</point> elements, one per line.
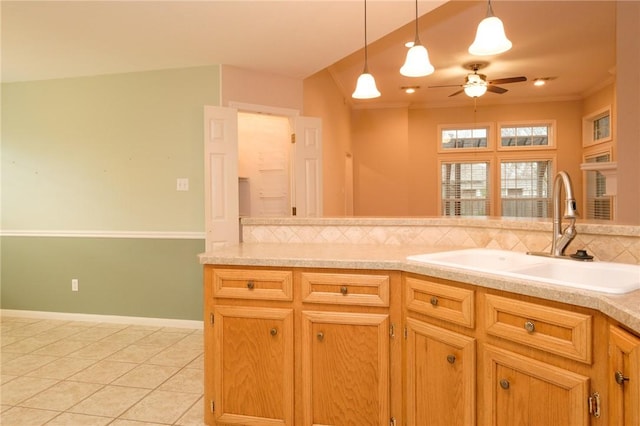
<point>258,88</point>
<point>397,160</point>
<point>323,99</point>
<point>628,111</point>
<point>381,162</point>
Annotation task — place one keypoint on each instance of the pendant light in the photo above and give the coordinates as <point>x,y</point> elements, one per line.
<point>366,84</point>
<point>490,36</point>
<point>417,63</point>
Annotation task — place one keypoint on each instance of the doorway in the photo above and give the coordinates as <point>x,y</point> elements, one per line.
<point>264,164</point>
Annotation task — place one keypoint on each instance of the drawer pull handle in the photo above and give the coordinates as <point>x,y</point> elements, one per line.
<point>530,326</point>
<point>250,285</point>
<point>504,384</point>
<point>344,290</point>
<point>320,335</point>
<point>620,378</point>
<point>273,331</point>
<point>434,301</point>
<point>451,359</point>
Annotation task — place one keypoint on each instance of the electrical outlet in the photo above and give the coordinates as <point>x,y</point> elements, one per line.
<point>74,284</point>
<point>182,184</point>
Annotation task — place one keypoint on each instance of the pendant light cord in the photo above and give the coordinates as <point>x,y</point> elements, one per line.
<point>366,56</point>
<point>417,42</point>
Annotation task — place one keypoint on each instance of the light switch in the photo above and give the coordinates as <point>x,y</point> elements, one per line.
<point>182,184</point>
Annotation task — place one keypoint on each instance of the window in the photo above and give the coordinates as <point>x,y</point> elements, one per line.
<point>465,188</point>
<point>525,188</point>
<point>461,137</point>
<point>596,127</point>
<point>529,135</point>
<point>598,204</point>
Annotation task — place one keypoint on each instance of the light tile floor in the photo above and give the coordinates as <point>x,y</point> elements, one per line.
<point>87,373</point>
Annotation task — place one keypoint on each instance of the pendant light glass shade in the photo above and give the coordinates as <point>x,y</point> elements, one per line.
<point>366,87</point>
<point>490,36</point>
<point>417,63</point>
<point>366,84</point>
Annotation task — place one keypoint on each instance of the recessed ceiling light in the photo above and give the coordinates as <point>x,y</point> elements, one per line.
<point>409,44</point>
<point>410,89</point>
<point>541,81</point>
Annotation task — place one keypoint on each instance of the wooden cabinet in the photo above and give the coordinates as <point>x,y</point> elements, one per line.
<point>624,377</point>
<point>253,365</point>
<point>519,390</point>
<point>345,368</point>
<point>314,346</point>
<point>249,347</point>
<point>346,351</point>
<point>307,347</point>
<point>440,376</point>
<point>440,363</point>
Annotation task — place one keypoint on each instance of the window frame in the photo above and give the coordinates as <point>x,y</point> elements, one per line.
<point>467,126</point>
<point>523,158</point>
<point>593,153</point>
<point>589,122</point>
<point>551,136</point>
<point>465,159</point>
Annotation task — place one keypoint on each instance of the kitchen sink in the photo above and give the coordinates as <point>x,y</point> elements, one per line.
<point>606,277</point>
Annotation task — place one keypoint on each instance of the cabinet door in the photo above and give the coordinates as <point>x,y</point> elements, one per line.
<point>252,366</point>
<point>441,376</point>
<point>523,391</point>
<point>345,368</point>
<point>624,370</point>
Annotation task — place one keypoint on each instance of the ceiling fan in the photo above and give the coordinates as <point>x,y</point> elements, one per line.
<point>475,85</point>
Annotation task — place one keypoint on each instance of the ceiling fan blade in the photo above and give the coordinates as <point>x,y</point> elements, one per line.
<point>448,85</point>
<point>508,80</point>
<point>456,93</point>
<point>496,89</point>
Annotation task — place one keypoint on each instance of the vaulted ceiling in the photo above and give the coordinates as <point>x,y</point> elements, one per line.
<point>571,42</point>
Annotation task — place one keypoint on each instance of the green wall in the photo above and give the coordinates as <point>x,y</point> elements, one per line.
<point>100,156</point>
<point>154,278</point>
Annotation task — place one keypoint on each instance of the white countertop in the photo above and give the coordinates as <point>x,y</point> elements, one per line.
<point>624,308</point>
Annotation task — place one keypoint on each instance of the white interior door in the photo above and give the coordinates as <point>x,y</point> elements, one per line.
<point>307,176</point>
<point>221,176</point>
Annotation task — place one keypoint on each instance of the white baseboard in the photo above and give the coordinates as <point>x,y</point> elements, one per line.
<point>112,319</point>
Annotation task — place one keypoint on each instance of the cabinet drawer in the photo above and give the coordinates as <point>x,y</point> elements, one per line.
<point>444,302</point>
<point>345,289</point>
<point>253,284</point>
<point>557,331</point>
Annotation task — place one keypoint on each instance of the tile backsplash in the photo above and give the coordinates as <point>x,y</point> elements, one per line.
<point>612,243</point>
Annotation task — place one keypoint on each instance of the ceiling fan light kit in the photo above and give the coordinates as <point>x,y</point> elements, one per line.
<point>417,63</point>
<point>490,36</point>
<point>366,84</point>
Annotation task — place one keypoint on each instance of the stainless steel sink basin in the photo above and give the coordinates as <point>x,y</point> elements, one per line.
<point>607,277</point>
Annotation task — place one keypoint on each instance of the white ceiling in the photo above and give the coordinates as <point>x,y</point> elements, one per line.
<point>572,41</point>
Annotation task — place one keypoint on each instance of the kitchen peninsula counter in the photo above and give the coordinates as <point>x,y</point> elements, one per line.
<point>624,308</point>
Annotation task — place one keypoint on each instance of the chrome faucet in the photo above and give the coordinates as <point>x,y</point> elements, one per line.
<point>561,238</point>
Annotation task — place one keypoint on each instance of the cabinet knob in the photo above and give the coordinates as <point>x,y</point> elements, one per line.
<point>620,377</point>
<point>320,335</point>
<point>504,384</point>
<point>451,359</point>
<point>530,326</point>
<point>273,331</point>
<point>344,290</point>
<point>434,301</point>
<point>250,285</point>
